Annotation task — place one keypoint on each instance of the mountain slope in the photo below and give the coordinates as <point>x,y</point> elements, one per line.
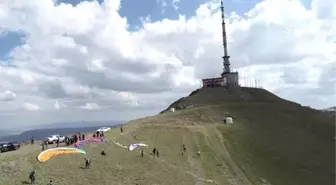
<point>273,138</point>
<point>273,141</point>
<point>330,109</point>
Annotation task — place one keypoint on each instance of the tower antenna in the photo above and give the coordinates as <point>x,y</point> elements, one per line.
<point>226,57</point>
<point>228,79</point>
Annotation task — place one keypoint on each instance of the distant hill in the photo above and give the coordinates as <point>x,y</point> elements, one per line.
<point>73,124</point>
<point>76,124</point>
<point>40,134</point>
<point>330,109</point>
<point>3,132</point>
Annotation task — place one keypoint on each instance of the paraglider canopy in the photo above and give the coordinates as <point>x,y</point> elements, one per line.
<point>47,154</point>
<point>90,140</point>
<point>136,145</point>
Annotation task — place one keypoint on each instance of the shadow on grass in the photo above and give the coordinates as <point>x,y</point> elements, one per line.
<point>25,182</point>
<point>81,167</point>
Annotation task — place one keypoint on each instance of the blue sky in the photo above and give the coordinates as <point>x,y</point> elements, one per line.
<point>135,9</point>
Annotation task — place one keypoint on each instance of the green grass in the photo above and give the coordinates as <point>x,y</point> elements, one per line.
<point>273,141</point>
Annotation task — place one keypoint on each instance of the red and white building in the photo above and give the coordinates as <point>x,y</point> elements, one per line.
<point>213,82</point>
<point>227,79</point>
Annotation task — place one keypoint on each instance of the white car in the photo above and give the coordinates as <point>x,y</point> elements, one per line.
<point>104,129</point>
<point>53,138</point>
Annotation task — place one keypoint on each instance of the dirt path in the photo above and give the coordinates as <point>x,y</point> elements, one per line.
<point>239,178</point>
<point>192,162</point>
<point>182,126</point>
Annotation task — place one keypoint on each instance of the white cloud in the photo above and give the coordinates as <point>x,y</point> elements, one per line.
<point>83,57</point>
<point>128,98</point>
<point>7,96</point>
<point>90,106</point>
<point>30,107</point>
<point>163,5</point>
<point>175,4</point>
<point>58,105</point>
<point>324,9</point>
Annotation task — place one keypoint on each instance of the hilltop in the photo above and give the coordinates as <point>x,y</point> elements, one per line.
<point>218,96</point>
<point>272,142</point>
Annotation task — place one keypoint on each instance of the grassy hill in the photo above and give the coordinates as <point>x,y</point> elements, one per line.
<point>273,141</point>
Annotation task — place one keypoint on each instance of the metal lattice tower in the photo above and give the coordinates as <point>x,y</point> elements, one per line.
<point>226,57</point>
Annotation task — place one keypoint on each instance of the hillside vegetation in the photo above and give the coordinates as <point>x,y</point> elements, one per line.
<point>272,142</point>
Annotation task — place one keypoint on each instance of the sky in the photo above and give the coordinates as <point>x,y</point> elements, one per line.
<point>72,60</point>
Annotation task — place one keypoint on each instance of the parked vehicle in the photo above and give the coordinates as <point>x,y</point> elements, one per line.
<point>9,146</point>
<point>104,129</point>
<point>53,138</point>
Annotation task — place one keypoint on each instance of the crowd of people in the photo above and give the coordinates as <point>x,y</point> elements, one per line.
<point>70,140</point>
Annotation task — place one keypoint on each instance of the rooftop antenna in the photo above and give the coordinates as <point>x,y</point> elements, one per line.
<point>226,57</point>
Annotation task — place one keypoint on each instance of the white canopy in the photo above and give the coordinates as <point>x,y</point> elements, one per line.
<point>136,145</point>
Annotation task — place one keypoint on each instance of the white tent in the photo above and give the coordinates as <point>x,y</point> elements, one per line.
<point>228,120</point>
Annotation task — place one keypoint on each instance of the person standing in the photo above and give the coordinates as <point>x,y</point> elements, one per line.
<point>142,154</point>
<point>121,130</point>
<point>32,177</point>
<point>57,142</point>
<point>75,138</point>
<point>32,140</point>
<point>42,144</point>
<point>103,153</point>
<point>154,152</point>
<point>71,140</point>
<point>87,163</point>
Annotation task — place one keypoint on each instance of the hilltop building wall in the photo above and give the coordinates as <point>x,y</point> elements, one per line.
<point>213,82</point>
<point>228,79</point>
<point>231,79</point>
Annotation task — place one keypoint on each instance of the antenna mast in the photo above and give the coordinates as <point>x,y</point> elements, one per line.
<point>226,61</point>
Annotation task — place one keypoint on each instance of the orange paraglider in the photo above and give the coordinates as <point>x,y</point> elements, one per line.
<point>46,155</point>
